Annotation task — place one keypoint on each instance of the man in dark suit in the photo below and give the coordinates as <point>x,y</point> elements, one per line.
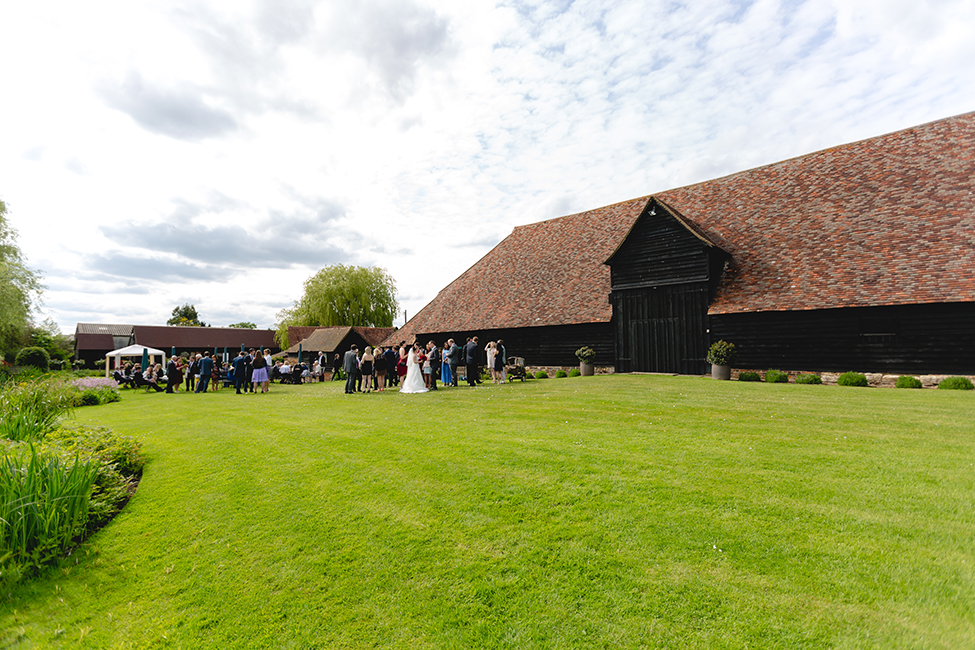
<point>350,364</point>
<point>240,371</point>
<point>453,360</point>
<point>206,369</point>
<point>392,377</point>
<point>433,353</point>
<point>470,358</point>
<point>172,374</point>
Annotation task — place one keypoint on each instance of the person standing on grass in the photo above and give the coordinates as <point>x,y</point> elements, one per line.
<point>470,358</point>
<point>240,371</point>
<point>453,355</point>
<point>260,374</point>
<point>401,364</point>
<point>380,367</point>
<point>392,378</point>
<point>445,375</point>
<point>350,364</point>
<point>206,371</point>
<point>192,372</point>
<point>500,360</point>
<point>173,377</point>
<point>433,358</point>
<point>490,351</point>
<point>366,368</point>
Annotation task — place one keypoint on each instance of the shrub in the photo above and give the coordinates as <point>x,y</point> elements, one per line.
<point>749,376</point>
<point>541,374</point>
<point>808,378</point>
<point>122,451</point>
<point>956,383</point>
<point>776,377</point>
<point>722,353</point>
<point>852,379</point>
<point>33,356</point>
<point>907,381</point>
<point>560,374</point>
<point>586,354</point>
<point>575,372</point>
<point>29,410</point>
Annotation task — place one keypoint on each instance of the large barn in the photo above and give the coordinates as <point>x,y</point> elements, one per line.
<point>860,257</point>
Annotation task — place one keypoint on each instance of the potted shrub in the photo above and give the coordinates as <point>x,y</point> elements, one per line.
<point>586,356</point>
<point>721,356</point>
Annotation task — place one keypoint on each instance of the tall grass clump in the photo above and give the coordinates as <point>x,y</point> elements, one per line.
<point>43,506</point>
<point>29,410</point>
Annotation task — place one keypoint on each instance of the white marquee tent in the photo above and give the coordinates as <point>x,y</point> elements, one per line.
<point>131,351</point>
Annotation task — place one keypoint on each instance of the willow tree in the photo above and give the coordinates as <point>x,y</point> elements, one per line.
<point>20,288</point>
<point>342,295</point>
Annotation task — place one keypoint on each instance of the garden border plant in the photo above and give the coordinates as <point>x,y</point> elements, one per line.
<point>908,381</point>
<point>956,383</point>
<point>58,482</point>
<point>852,378</point>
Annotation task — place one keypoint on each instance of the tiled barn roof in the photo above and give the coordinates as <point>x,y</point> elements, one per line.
<point>545,273</point>
<point>165,336</point>
<point>884,221</point>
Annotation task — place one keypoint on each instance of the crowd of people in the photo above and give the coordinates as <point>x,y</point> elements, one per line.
<point>417,368</point>
<point>413,368</point>
<point>250,371</point>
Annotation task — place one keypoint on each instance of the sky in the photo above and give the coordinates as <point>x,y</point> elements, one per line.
<point>220,153</point>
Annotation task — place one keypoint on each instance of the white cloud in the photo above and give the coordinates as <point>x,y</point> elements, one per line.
<point>219,153</point>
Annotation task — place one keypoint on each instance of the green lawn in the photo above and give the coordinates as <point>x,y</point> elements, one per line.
<point>613,511</point>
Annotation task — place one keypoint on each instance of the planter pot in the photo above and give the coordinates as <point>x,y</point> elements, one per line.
<point>587,369</point>
<point>720,372</point>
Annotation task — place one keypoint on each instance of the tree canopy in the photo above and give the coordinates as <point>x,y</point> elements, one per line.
<point>20,288</point>
<point>186,315</point>
<point>342,295</point>
<point>244,325</point>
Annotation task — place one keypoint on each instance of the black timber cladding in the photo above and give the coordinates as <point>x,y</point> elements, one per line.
<point>663,277</point>
<point>551,345</point>
<point>933,338</point>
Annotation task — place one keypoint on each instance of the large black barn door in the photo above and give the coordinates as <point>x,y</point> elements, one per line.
<point>662,329</point>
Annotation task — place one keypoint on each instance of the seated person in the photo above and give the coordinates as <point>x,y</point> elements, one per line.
<point>285,371</point>
<point>153,377</point>
<point>138,377</point>
<point>121,379</point>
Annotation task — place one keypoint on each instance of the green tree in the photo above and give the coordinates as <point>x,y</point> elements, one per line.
<point>244,325</point>
<point>186,315</point>
<point>48,335</point>
<point>342,295</point>
<point>20,289</point>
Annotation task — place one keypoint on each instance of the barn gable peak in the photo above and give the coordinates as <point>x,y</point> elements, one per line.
<point>656,208</point>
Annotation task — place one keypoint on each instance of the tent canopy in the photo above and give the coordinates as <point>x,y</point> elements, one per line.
<point>134,351</point>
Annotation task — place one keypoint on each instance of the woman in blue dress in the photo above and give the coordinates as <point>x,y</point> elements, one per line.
<point>445,375</point>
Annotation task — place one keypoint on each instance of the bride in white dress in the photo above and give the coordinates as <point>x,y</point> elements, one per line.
<point>413,382</point>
